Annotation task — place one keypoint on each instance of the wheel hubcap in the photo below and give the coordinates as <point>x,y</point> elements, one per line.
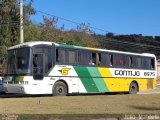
<point>133,88</point>
<point>59,89</point>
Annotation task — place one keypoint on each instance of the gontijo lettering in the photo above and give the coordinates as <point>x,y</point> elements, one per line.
<point>126,73</point>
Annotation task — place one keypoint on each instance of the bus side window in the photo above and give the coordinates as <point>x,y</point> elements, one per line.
<point>138,62</point>
<point>72,59</point>
<point>146,63</point>
<point>152,64</point>
<point>103,59</point>
<point>126,61</point>
<point>111,60</point>
<point>83,58</point>
<point>99,59</point>
<point>93,59</point>
<point>130,61</point>
<point>57,56</point>
<point>118,60</point>
<point>60,56</point>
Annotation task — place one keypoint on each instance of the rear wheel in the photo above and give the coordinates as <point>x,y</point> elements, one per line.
<point>133,89</point>
<point>59,89</point>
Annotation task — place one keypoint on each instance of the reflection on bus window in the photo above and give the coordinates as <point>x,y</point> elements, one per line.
<point>118,60</point>
<point>60,56</point>
<point>18,62</point>
<point>83,57</point>
<point>71,57</point>
<point>38,64</point>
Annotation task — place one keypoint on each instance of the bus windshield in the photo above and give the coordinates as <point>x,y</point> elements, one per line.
<point>19,61</point>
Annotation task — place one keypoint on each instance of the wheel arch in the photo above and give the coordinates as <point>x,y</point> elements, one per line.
<point>136,83</point>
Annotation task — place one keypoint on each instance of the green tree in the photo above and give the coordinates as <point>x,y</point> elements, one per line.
<point>9,20</point>
<point>9,24</point>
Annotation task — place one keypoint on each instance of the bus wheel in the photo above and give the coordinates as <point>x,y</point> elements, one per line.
<point>133,89</point>
<point>59,89</point>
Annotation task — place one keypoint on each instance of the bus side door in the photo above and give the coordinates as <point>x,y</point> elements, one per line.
<point>38,66</point>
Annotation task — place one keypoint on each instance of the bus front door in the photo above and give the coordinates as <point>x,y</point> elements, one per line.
<point>38,66</point>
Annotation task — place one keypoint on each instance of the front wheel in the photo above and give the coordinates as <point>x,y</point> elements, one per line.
<point>59,89</point>
<point>133,89</point>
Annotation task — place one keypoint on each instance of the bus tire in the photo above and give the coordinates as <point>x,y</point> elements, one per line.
<point>133,89</point>
<point>59,89</point>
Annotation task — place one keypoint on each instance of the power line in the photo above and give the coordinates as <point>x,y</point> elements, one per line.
<point>111,41</point>
<point>95,28</point>
<point>151,47</point>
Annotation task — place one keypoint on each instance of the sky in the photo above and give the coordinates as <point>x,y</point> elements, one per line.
<point>116,16</point>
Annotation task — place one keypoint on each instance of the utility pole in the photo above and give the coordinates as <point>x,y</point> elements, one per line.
<point>21,22</point>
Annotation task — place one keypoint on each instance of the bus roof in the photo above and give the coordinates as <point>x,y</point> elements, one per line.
<point>33,43</point>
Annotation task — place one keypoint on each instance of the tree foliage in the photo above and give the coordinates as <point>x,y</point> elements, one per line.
<point>9,23</point>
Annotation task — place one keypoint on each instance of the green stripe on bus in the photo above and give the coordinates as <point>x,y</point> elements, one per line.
<point>71,46</point>
<point>86,79</point>
<point>15,78</point>
<point>98,79</point>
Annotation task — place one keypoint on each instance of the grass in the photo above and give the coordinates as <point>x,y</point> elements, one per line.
<point>96,105</point>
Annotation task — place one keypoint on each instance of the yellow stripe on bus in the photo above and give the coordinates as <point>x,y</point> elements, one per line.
<point>21,78</point>
<point>123,84</point>
<point>88,48</point>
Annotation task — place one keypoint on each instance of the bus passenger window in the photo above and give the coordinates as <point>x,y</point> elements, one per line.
<point>126,61</point>
<point>146,63</point>
<point>138,62</point>
<point>60,56</point>
<point>130,61</point>
<point>103,59</point>
<point>92,59</point>
<point>72,57</point>
<point>118,60</point>
<point>57,57</point>
<point>99,59</point>
<point>83,57</point>
<point>152,64</point>
<point>111,60</point>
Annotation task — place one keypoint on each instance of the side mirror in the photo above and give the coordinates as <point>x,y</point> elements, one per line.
<point>38,66</point>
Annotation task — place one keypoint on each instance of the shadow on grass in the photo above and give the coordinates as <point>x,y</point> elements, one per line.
<point>146,108</point>
<point>20,96</point>
<point>61,116</point>
<point>74,94</point>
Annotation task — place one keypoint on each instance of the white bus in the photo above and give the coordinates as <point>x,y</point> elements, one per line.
<point>60,69</point>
